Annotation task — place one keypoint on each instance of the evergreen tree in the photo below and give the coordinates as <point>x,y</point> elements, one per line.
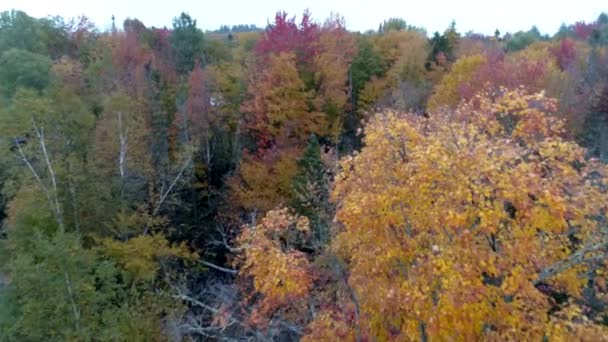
<point>187,43</point>
<point>311,193</point>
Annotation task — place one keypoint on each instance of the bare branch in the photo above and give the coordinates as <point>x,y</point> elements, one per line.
<point>123,139</point>
<point>219,268</point>
<point>166,193</point>
<point>576,258</point>
<point>47,159</point>
<point>224,241</point>
<point>75,309</point>
<point>34,173</point>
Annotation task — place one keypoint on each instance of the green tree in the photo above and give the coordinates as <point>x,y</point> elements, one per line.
<point>187,43</point>
<point>20,68</point>
<point>61,291</point>
<point>20,31</point>
<point>521,40</point>
<point>310,193</point>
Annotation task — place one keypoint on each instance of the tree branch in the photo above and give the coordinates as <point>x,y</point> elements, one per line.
<point>219,268</point>
<point>166,193</point>
<point>576,258</point>
<point>47,159</point>
<point>75,309</point>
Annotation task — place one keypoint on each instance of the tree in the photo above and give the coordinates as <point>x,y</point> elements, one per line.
<point>123,169</point>
<point>263,182</point>
<point>594,135</point>
<point>20,68</point>
<point>279,108</point>
<point>397,24</point>
<point>446,93</point>
<point>331,71</point>
<point>19,31</point>
<point>367,63</point>
<point>404,54</point>
<point>311,193</point>
<point>443,46</point>
<point>187,43</point>
<point>285,36</point>
<point>565,53</point>
<point>520,40</point>
<point>59,290</point>
<point>471,224</point>
<point>279,272</point>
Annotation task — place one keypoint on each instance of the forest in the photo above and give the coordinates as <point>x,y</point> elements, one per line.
<point>302,181</point>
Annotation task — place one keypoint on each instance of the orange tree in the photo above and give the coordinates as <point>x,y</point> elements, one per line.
<point>473,223</point>
<point>478,223</point>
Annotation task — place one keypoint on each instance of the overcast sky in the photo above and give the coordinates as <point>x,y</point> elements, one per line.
<point>434,15</point>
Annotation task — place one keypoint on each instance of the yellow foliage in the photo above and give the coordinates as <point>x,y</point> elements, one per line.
<point>446,92</point>
<point>448,221</point>
<point>280,273</point>
<point>140,255</point>
<point>406,53</point>
<point>263,184</point>
<point>279,107</point>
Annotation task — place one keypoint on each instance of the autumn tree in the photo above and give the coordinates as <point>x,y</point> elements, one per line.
<point>536,67</point>
<point>285,36</point>
<point>404,56</point>
<point>473,224</point>
<point>331,66</point>
<point>279,272</point>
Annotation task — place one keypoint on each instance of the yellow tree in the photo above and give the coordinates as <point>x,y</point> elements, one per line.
<point>468,224</point>
<point>337,49</point>
<point>447,91</point>
<point>281,117</point>
<point>405,53</point>
<point>280,274</point>
<point>264,182</point>
<point>278,111</point>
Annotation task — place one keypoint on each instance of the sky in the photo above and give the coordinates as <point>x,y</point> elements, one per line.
<point>433,15</point>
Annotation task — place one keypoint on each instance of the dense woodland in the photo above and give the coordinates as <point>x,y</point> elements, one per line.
<point>302,182</point>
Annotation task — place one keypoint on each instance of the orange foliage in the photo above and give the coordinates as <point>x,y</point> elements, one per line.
<point>262,183</point>
<point>451,222</point>
<point>280,273</point>
<point>278,110</point>
<point>337,49</point>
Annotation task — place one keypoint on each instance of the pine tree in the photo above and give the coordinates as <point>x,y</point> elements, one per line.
<point>311,193</point>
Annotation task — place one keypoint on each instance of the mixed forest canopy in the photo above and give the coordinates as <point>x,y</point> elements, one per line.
<point>302,182</point>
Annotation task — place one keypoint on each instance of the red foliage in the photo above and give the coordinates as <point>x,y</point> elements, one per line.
<point>498,72</point>
<point>286,36</point>
<point>565,53</point>
<point>583,30</point>
<point>129,58</point>
<point>162,54</point>
<point>198,104</point>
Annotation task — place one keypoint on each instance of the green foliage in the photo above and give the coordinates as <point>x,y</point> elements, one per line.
<point>521,40</point>
<point>59,291</point>
<point>20,31</point>
<point>139,256</point>
<point>398,24</point>
<point>187,43</point>
<point>310,194</point>
<point>47,36</point>
<point>367,63</point>
<point>20,68</point>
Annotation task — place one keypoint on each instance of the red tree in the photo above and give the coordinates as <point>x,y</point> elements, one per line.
<point>565,53</point>
<point>287,36</point>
